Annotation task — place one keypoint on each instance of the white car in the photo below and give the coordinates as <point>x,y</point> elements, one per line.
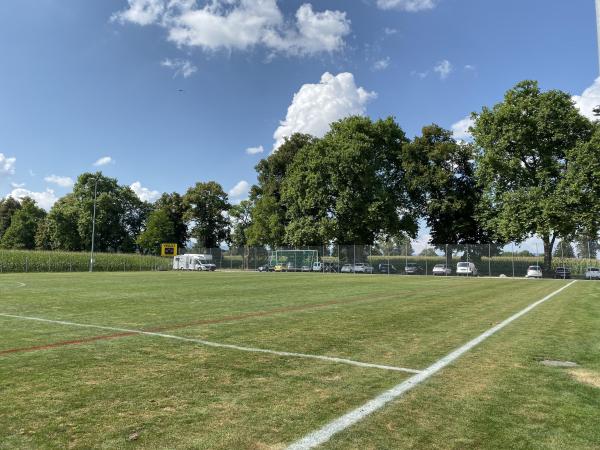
<point>592,273</point>
<point>534,272</point>
<point>442,269</point>
<point>466,268</point>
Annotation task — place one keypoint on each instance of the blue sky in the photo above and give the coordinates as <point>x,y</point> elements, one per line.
<point>174,92</point>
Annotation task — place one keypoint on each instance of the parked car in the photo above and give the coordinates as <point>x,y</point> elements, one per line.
<point>466,268</point>
<point>412,269</point>
<point>265,268</point>
<point>562,272</point>
<point>346,268</point>
<point>534,272</point>
<point>442,269</point>
<point>279,268</point>
<point>363,268</point>
<point>592,273</point>
<point>305,269</point>
<point>387,268</point>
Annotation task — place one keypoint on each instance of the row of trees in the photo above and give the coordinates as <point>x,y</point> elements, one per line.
<point>533,168</point>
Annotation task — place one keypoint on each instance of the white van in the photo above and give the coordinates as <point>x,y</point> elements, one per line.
<point>192,261</point>
<point>466,268</point>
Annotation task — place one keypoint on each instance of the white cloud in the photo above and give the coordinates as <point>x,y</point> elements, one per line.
<point>60,181</point>
<point>44,199</point>
<point>586,102</point>
<point>461,129</point>
<point>316,106</point>
<point>407,5</point>
<point>382,64</point>
<point>240,190</point>
<point>241,25</point>
<point>104,161</point>
<point>390,31</point>
<point>7,165</point>
<point>444,68</point>
<point>181,67</point>
<point>470,67</point>
<point>255,150</point>
<point>144,194</point>
<point>17,185</point>
<point>420,75</point>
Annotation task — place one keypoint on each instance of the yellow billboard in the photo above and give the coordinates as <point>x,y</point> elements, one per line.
<point>168,250</point>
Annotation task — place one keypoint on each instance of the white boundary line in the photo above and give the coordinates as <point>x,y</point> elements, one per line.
<point>18,283</point>
<point>322,435</point>
<point>217,344</point>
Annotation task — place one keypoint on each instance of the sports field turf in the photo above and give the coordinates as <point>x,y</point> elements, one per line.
<point>74,385</point>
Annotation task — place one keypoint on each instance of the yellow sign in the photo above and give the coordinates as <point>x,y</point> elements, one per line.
<point>168,250</point>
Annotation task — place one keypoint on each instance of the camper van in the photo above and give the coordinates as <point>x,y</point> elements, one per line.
<point>193,262</point>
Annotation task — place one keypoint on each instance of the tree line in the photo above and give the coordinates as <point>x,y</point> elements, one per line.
<point>532,168</point>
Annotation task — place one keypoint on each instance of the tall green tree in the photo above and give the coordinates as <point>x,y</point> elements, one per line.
<point>349,187</point>
<point>60,230</point>
<point>269,214</point>
<point>159,229</point>
<point>443,172</point>
<point>240,216</point>
<point>206,205</point>
<point>564,249</point>
<point>524,143</point>
<point>23,226</point>
<point>8,207</point>
<point>173,205</point>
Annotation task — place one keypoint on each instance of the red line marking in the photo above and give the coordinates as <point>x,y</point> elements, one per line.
<point>190,324</point>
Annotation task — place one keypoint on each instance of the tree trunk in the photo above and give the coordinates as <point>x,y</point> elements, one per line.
<point>548,247</point>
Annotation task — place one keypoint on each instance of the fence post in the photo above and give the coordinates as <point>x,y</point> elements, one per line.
<point>490,259</point>
<point>513,259</point>
<point>426,256</point>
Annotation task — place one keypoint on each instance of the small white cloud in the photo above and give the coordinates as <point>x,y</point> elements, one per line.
<point>420,75</point>
<point>382,64</point>
<point>470,67</point>
<point>255,150</point>
<point>586,102</point>
<point>460,129</point>
<point>315,106</point>
<point>60,181</point>
<point>31,173</point>
<point>407,5</point>
<point>390,31</point>
<point>444,68</point>
<point>105,160</point>
<point>181,67</point>
<point>7,165</point>
<point>240,190</point>
<point>17,185</point>
<point>44,199</point>
<point>141,12</point>
<point>144,194</point>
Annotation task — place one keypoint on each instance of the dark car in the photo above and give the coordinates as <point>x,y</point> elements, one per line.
<point>387,268</point>
<point>562,272</point>
<point>265,268</point>
<point>412,269</point>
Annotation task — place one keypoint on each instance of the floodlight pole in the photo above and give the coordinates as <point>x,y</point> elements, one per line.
<point>93,226</point>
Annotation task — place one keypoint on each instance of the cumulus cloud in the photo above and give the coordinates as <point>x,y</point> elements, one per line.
<point>60,181</point>
<point>240,190</point>
<point>461,129</point>
<point>181,67</point>
<point>382,64</point>
<point>586,102</point>
<point>315,106</point>
<point>44,199</point>
<point>444,68</point>
<point>105,160</point>
<point>143,193</point>
<point>407,5</point>
<point>7,165</point>
<point>255,150</point>
<point>241,24</point>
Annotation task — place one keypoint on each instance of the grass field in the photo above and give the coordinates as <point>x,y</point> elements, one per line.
<point>202,375</point>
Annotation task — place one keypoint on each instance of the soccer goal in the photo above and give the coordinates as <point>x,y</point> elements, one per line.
<point>294,260</point>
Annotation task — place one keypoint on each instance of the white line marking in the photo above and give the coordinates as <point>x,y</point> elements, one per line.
<point>18,284</point>
<point>218,344</point>
<point>322,435</point>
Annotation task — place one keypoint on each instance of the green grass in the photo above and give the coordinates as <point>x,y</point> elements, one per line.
<point>176,394</point>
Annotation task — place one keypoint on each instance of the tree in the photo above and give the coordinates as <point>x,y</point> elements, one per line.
<point>241,220</point>
<point>564,249</point>
<point>206,205</point>
<point>60,230</point>
<point>428,252</point>
<point>522,164</point>
<point>23,226</point>
<point>8,207</point>
<point>587,247</point>
<point>159,229</point>
<point>269,215</point>
<point>349,187</point>
<point>443,171</point>
<point>173,205</point>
